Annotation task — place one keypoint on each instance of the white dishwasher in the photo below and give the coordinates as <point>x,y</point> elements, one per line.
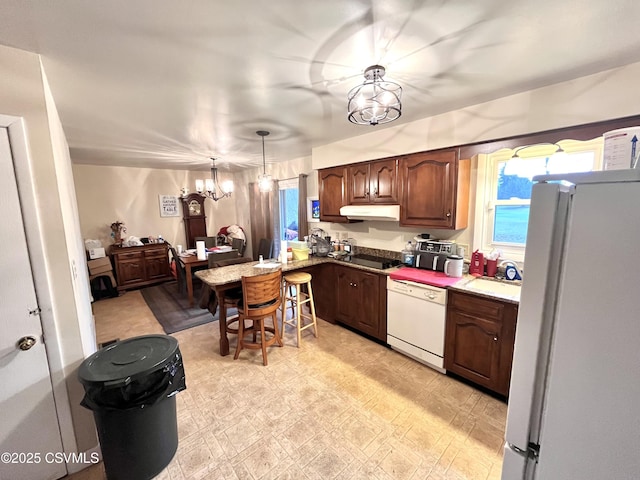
<point>416,321</point>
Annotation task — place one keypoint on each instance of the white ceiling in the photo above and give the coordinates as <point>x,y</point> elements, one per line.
<point>167,83</point>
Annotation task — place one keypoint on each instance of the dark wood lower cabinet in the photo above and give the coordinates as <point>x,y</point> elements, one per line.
<point>361,301</point>
<point>479,339</point>
<point>142,265</point>
<point>324,297</point>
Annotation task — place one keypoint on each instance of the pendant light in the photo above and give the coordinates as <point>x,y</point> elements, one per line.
<point>375,101</point>
<point>264,181</point>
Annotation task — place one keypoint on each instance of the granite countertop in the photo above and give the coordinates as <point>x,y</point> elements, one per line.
<point>465,285</point>
<point>233,273</point>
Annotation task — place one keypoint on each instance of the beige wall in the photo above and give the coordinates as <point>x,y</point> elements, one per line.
<point>60,293</point>
<point>603,96</point>
<point>131,195</point>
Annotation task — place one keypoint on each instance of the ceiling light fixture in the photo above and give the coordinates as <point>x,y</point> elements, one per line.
<point>209,187</point>
<point>264,180</point>
<point>558,154</point>
<point>376,100</point>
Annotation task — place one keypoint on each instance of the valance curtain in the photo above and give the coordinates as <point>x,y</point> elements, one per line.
<point>303,225</point>
<point>265,217</point>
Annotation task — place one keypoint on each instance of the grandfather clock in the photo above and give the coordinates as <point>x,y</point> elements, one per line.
<point>195,221</point>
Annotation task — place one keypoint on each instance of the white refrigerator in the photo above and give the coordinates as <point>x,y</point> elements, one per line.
<point>574,401</point>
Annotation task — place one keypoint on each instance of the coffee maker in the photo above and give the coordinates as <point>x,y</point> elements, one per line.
<point>432,254</point>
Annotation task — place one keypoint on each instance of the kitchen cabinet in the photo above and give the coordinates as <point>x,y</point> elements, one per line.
<point>373,182</point>
<point>434,190</point>
<point>142,265</point>
<point>332,193</point>
<point>479,339</point>
<point>323,283</point>
<point>361,301</point>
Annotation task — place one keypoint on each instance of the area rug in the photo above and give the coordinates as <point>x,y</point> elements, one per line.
<point>171,308</point>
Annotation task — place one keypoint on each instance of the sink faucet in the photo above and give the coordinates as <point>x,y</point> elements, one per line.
<point>504,263</point>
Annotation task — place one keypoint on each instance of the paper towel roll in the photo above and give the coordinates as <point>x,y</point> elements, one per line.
<point>201,251</point>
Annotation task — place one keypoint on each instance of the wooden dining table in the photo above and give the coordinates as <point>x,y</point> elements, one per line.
<point>191,261</point>
<point>223,279</point>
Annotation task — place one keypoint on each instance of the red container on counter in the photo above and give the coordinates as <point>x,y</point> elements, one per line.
<point>476,267</point>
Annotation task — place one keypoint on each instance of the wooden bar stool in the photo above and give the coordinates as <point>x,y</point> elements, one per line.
<point>261,298</point>
<point>296,301</point>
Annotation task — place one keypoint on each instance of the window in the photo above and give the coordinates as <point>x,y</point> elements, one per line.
<point>504,190</point>
<point>288,209</point>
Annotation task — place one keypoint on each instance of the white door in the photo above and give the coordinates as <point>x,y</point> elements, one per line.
<point>29,426</point>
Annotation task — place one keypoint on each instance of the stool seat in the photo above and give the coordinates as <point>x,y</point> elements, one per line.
<point>298,280</point>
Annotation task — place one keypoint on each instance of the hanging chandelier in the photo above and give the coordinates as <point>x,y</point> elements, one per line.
<point>264,180</point>
<point>210,187</point>
<point>559,153</point>
<point>376,100</point>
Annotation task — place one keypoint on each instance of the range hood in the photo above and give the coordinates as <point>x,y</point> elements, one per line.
<point>389,213</point>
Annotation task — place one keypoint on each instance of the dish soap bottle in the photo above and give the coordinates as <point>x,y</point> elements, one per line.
<point>408,255</point>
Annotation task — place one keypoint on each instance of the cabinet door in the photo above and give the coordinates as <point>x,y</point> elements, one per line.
<point>344,295</point>
<point>472,348</point>
<point>358,300</point>
<point>156,263</point>
<point>332,193</point>
<point>429,189</point>
<point>383,181</point>
<point>358,181</point>
<point>366,294</point>
<point>480,335</point>
<point>324,288</point>
<point>130,268</point>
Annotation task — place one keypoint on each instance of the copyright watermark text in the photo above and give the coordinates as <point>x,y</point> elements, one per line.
<point>48,457</point>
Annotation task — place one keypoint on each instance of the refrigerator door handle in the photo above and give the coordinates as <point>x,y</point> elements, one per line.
<point>532,452</point>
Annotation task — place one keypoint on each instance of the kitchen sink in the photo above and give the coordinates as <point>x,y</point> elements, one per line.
<point>494,287</point>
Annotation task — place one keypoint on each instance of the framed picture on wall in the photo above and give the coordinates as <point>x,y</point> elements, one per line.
<point>313,209</point>
<point>169,206</point>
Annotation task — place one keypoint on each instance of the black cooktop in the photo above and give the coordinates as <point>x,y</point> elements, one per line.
<point>372,261</point>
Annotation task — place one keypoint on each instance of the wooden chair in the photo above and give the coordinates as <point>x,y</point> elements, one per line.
<point>260,299</point>
<point>209,242</point>
<point>239,245</point>
<point>265,248</point>
<point>181,273</point>
<point>233,296</point>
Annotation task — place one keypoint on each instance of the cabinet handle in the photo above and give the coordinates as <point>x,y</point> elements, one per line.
<point>367,193</point>
<point>375,191</point>
<point>495,339</point>
<point>448,214</point>
<point>355,284</point>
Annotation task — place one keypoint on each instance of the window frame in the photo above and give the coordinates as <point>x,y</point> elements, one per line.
<point>487,189</point>
<point>286,184</point>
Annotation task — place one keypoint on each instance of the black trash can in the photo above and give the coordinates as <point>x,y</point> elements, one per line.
<point>130,386</point>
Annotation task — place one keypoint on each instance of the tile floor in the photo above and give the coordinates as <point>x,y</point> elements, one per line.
<point>340,407</point>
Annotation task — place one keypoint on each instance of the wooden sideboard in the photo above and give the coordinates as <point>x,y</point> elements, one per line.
<point>142,265</point>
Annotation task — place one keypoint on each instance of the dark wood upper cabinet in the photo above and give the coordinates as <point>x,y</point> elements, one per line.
<point>435,190</point>
<point>373,182</point>
<point>332,186</point>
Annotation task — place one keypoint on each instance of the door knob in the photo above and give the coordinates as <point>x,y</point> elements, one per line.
<point>25,343</point>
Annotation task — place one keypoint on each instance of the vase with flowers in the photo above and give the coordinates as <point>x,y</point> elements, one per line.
<point>117,230</point>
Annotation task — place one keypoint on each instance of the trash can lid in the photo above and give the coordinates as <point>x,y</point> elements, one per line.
<point>122,361</point>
